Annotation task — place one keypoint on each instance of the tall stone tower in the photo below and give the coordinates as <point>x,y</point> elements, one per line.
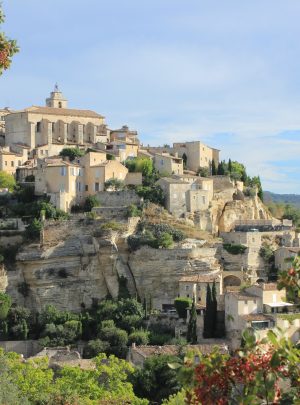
<point>56,99</point>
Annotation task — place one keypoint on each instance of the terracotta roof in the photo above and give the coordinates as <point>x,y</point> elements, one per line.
<point>63,111</point>
<point>269,286</point>
<point>147,351</point>
<point>257,317</point>
<point>200,278</point>
<point>241,295</point>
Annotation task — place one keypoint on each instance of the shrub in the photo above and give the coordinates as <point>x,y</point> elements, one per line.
<point>159,229</point>
<point>203,172</point>
<point>72,153</point>
<point>134,211</point>
<point>5,304</point>
<point>33,230</point>
<point>117,338</point>
<point>139,337</point>
<point>94,348</point>
<point>181,305</point>
<point>165,240</point>
<point>113,225</point>
<point>110,157</point>
<point>90,202</point>
<point>250,192</point>
<point>267,254</point>
<point>114,184</point>
<point>152,193</point>
<point>234,249</point>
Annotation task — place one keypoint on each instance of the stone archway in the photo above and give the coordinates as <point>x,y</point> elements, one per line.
<point>230,281</point>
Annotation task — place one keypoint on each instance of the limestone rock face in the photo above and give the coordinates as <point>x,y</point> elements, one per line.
<point>250,208</point>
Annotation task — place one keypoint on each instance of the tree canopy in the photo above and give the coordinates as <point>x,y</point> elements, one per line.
<point>7,180</point>
<point>8,47</point>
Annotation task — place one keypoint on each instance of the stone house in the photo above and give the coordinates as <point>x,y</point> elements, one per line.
<point>195,286</point>
<point>54,124</point>
<point>121,150</point>
<point>260,307</point>
<point>183,195</point>
<point>284,256</point>
<point>197,153</point>
<point>69,183</point>
<point>168,164</point>
<point>124,134</point>
<point>138,354</point>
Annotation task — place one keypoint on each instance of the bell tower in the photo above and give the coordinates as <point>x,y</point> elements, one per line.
<point>56,99</point>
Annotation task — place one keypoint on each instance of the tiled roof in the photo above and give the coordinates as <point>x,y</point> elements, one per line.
<point>63,111</point>
<point>174,350</point>
<point>199,278</point>
<point>257,317</point>
<point>241,295</point>
<point>269,286</point>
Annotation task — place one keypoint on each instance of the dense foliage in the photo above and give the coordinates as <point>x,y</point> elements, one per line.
<point>72,153</point>
<point>91,201</point>
<point>234,249</point>
<point>6,179</point>
<point>181,305</point>
<point>33,382</point>
<point>8,47</point>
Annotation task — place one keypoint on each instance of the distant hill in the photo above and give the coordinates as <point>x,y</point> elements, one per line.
<point>293,199</point>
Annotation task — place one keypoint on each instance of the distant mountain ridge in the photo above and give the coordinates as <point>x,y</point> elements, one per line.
<point>293,199</point>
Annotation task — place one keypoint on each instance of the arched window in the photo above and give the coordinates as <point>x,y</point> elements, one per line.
<point>59,104</point>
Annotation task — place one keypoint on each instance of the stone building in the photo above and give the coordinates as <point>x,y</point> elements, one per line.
<point>69,183</point>
<point>195,286</point>
<point>168,164</point>
<point>54,124</point>
<point>260,307</point>
<point>284,257</point>
<point>186,194</point>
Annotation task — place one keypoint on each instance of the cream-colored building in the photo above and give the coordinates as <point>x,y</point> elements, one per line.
<point>260,307</point>
<point>284,257</point>
<point>197,154</point>
<point>124,134</point>
<point>194,286</point>
<point>69,183</point>
<point>54,124</point>
<point>9,161</point>
<point>121,150</point>
<point>183,196</point>
<point>168,164</point>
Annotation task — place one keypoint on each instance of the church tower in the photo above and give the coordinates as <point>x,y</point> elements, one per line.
<point>56,99</point>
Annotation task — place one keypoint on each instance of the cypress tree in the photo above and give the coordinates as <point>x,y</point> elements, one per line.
<point>145,307</point>
<point>214,307</point>
<point>191,336</point>
<point>208,316</point>
<point>213,168</point>
<point>184,158</point>
<point>229,166</point>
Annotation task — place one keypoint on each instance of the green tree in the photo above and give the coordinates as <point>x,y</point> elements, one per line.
<point>6,179</point>
<point>116,337</point>
<point>5,304</point>
<point>214,307</point>
<point>221,168</point>
<point>213,168</point>
<point>229,166</point>
<point>181,306</point>
<point>156,381</point>
<point>208,330</point>
<point>8,47</point>
<point>94,348</point>
<point>184,158</point>
<point>91,201</point>
<point>191,335</point>
<point>72,153</point>
<point>33,230</point>
<point>114,184</point>
<point>139,337</point>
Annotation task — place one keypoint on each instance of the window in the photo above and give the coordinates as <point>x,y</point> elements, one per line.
<point>19,163</point>
<point>246,302</point>
<point>96,186</point>
<point>42,152</point>
<point>203,200</point>
<point>86,187</point>
<point>63,171</point>
<point>186,287</point>
<point>53,127</point>
<point>5,163</point>
<point>12,164</point>
<point>188,295</point>
<point>59,104</point>
<point>38,127</point>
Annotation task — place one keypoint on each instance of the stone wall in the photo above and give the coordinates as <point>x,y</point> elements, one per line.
<point>26,347</point>
<point>118,198</point>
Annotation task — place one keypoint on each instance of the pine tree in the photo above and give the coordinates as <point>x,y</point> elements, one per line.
<point>208,329</point>
<point>214,307</point>
<point>213,168</point>
<point>192,325</point>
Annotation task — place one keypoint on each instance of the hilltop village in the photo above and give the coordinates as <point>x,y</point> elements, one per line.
<point>96,215</point>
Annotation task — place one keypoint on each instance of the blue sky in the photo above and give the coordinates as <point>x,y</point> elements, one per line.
<point>225,72</point>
